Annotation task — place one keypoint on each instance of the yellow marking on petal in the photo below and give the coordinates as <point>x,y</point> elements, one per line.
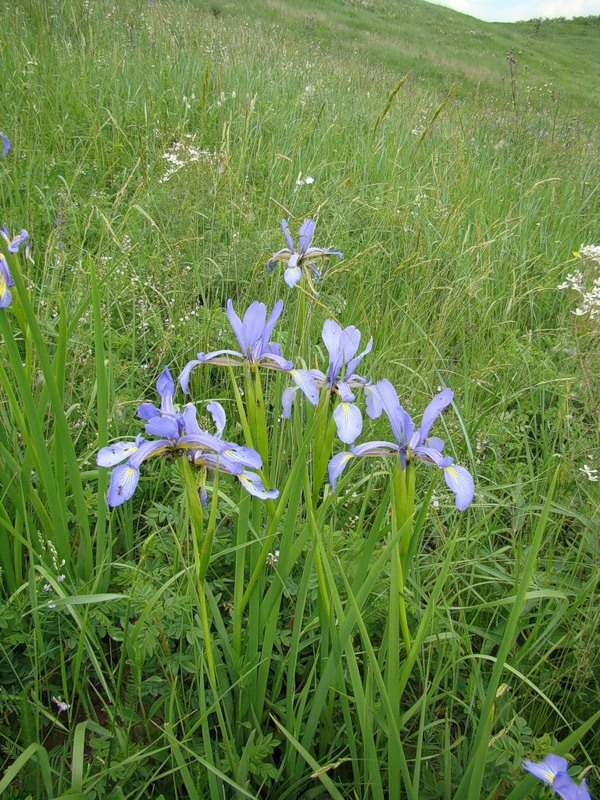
<point>346,458</point>
<point>451,470</point>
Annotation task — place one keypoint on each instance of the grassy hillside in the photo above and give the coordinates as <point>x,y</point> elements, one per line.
<point>369,640</point>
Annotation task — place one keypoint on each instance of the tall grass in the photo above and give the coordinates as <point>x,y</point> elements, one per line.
<point>280,667</point>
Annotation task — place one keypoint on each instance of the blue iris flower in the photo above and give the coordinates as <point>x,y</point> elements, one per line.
<point>13,244</point>
<point>253,335</point>
<point>5,143</point>
<point>342,345</point>
<point>6,281</point>
<point>179,433</point>
<point>553,771</point>
<point>304,256</point>
<point>412,444</point>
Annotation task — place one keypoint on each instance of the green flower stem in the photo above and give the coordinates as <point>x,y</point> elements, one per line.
<point>322,443</point>
<point>261,434</point>
<point>241,409</point>
<point>202,546</point>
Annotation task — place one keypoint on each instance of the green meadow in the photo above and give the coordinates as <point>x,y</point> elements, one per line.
<point>331,634</point>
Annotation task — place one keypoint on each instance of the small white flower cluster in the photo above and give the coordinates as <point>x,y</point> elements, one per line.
<point>182,154</point>
<point>590,474</point>
<point>590,305</point>
<point>300,181</point>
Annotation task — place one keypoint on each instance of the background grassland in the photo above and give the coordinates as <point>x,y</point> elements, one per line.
<point>458,213</point>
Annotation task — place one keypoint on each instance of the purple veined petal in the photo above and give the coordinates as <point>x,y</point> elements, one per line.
<point>305,382</point>
<point>216,357</point>
<point>435,442</point>
<point>402,424</point>
<point>254,485</point>
<point>337,465</point>
<point>217,412</point>
<point>313,268</point>
<point>123,483</point>
<point>348,421</point>
<point>5,143</point>
<point>565,787</point>
<point>190,420</point>
<point>241,454</point>
<point>307,230</point>
<point>253,326</point>
<point>432,412</point>
<point>292,273</point>
<point>287,234</point>
<point>147,411</point>
<point>279,362</point>
<point>547,769</point>
<point>271,264</point>
<point>115,453</point>
<point>352,365</point>
<point>319,377</point>
<point>374,406</point>
<point>270,324</point>
<point>460,481</point>
<point>6,280</point>
<point>287,399</point>
<point>147,450</point>
<point>376,448</point>
<point>203,496</point>
<point>165,426</point>
<point>331,335</point>
<point>349,343</point>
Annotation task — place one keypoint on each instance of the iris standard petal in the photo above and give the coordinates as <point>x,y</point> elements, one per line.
<point>322,252</point>
<point>305,382</point>
<point>344,392</point>
<point>217,412</point>
<point>306,233</point>
<point>349,343</point>
<point>337,465</point>
<point>254,485</point>
<point>253,325</point>
<point>5,143</point>
<point>435,442</point>
<point>184,377</point>
<point>292,274</point>
<point>236,324</point>
<point>281,255</point>
<point>147,411</point>
<point>190,419</point>
<point>547,769</point>
<point>270,324</point>
<point>348,421</point>
<point>402,424</point>
<point>331,334</point>
<point>287,234</point>
<point>166,426</point>
<point>432,412</point>
<point>460,481</point>
<point>352,365</point>
<point>123,483</point>
<point>115,453</point>
<point>565,787</point>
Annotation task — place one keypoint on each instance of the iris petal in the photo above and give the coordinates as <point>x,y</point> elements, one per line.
<point>217,412</point>
<point>432,412</point>
<point>337,465</point>
<point>348,420</point>
<point>305,382</point>
<point>253,484</point>
<point>115,453</point>
<point>547,769</point>
<point>123,483</point>
<point>306,233</point>
<point>460,481</point>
